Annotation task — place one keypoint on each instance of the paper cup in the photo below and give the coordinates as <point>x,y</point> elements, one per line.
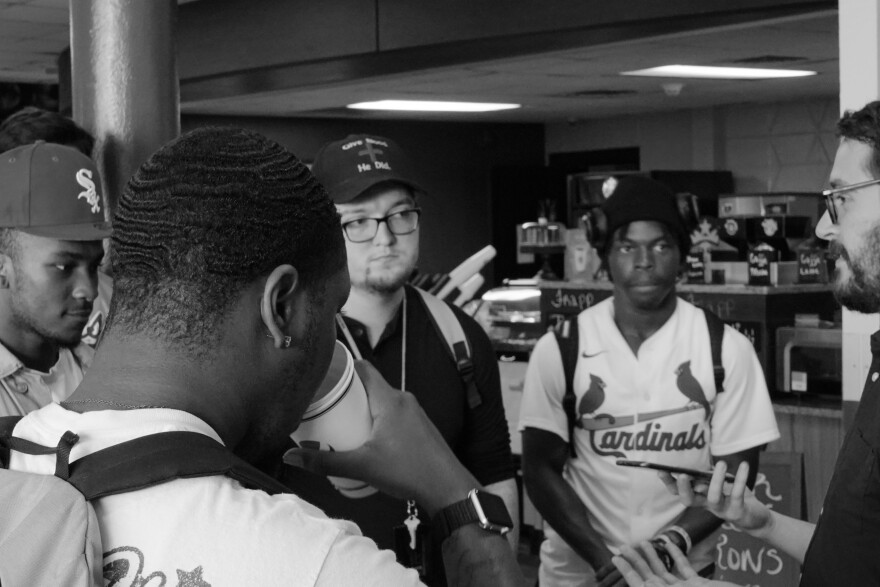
<point>339,417</point>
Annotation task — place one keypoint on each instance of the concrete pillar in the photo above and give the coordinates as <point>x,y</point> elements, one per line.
<point>124,79</point>
<point>859,31</point>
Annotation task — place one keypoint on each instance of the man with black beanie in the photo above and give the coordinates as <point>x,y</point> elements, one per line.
<point>644,389</point>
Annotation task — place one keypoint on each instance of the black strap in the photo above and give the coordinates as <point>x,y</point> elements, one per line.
<point>567,338</point>
<point>157,458</point>
<point>7,424</point>
<point>9,442</point>
<point>716,338</point>
<point>466,370</point>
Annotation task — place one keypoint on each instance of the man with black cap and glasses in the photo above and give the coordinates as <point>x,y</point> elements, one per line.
<point>841,549</point>
<point>645,389</point>
<point>51,226</point>
<point>370,180</point>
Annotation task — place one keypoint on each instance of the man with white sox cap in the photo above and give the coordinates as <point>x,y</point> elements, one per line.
<point>51,226</point>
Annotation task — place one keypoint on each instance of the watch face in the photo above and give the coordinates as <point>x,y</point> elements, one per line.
<point>494,513</point>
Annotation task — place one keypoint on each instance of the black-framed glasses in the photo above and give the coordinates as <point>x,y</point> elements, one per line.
<point>361,230</point>
<point>832,194</point>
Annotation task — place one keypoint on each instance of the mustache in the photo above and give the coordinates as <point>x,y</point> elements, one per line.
<point>835,249</point>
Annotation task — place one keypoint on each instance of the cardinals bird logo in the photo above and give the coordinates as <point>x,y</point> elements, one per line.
<point>689,386</point>
<point>594,397</point>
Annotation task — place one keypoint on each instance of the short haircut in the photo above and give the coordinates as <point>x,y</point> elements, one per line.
<point>863,126</point>
<point>205,216</point>
<point>32,124</point>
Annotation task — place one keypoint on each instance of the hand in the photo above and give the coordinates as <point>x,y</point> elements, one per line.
<point>405,456</point>
<point>647,570</point>
<point>733,502</point>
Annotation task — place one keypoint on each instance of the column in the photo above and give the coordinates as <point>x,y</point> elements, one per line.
<point>124,79</point>
<point>859,24</point>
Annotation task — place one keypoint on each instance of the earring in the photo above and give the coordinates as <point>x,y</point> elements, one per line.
<point>287,342</point>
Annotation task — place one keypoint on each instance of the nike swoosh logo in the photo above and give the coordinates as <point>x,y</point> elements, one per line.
<point>589,356</point>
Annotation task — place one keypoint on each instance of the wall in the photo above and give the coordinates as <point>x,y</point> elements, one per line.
<point>455,161</point>
<point>786,146</point>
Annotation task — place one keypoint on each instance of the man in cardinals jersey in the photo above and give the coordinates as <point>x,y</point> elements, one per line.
<point>51,226</point>
<point>645,390</point>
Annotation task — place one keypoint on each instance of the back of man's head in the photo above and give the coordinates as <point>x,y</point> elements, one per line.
<point>201,219</point>
<point>863,126</point>
<point>32,124</point>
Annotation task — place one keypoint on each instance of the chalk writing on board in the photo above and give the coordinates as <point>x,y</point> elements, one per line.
<point>748,561</point>
<point>577,300</point>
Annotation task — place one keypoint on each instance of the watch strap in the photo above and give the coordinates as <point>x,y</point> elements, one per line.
<point>453,517</point>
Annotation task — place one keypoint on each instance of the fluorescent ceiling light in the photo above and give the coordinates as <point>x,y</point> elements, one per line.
<point>429,106</point>
<point>700,71</point>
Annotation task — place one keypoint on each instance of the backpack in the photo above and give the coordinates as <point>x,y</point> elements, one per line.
<point>449,328</point>
<point>566,334</point>
<point>49,533</point>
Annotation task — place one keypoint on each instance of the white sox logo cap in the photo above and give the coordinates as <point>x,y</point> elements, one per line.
<point>53,191</point>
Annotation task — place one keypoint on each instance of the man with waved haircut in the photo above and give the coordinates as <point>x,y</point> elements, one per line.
<point>229,271</point>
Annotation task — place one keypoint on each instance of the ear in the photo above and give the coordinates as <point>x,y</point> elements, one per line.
<point>6,271</point>
<point>277,304</point>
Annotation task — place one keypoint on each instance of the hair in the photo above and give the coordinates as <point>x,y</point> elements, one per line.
<point>32,124</point>
<point>863,126</point>
<point>9,243</point>
<point>206,215</point>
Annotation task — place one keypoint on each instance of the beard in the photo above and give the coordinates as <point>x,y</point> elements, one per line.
<point>27,319</point>
<point>859,290</point>
<point>385,281</point>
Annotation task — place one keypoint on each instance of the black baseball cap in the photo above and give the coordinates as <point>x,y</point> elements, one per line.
<point>53,191</point>
<point>349,167</point>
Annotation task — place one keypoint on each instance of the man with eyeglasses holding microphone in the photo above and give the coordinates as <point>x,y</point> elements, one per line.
<point>388,323</point>
<point>841,549</point>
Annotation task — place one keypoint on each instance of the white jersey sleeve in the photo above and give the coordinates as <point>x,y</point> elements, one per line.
<point>543,390</point>
<point>743,416</point>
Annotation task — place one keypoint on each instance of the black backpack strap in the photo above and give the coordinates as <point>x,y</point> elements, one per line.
<point>716,338</point>
<point>7,424</point>
<point>567,338</point>
<point>157,458</point>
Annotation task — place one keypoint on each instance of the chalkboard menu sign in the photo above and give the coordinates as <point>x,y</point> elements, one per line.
<point>744,560</point>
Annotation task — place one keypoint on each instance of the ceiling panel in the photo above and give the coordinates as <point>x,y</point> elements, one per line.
<point>551,86</point>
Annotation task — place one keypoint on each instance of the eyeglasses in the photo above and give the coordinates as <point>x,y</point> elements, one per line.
<point>362,230</point>
<point>831,196</point>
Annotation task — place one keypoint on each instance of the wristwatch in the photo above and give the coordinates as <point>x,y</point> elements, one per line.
<point>485,509</point>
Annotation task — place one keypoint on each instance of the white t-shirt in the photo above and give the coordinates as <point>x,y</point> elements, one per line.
<point>23,390</point>
<point>635,407</point>
<point>207,530</point>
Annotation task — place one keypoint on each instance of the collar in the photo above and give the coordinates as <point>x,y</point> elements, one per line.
<point>393,326</point>
<point>9,363</point>
<point>875,343</point>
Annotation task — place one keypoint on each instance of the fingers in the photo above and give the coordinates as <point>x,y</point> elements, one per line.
<point>682,565</point>
<point>669,481</point>
<point>630,574</point>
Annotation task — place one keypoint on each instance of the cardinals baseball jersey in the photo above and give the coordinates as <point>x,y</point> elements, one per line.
<point>657,405</point>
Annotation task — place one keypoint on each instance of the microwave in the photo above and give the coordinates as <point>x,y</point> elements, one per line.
<point>809,360</point>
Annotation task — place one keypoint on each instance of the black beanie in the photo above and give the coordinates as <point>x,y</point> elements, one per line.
<point>637,197</point>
